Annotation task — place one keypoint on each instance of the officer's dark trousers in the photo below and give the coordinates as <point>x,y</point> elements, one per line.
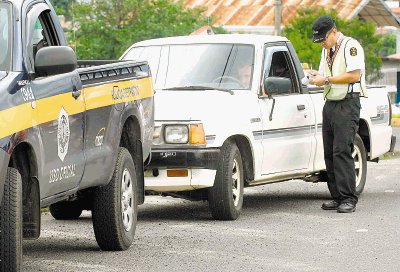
<point>339,127</point>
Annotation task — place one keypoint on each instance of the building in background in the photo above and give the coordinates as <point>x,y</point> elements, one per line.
<point>258,17</point>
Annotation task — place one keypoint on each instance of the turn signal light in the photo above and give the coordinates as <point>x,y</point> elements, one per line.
<point>177,173</point>
<point>197,135</point>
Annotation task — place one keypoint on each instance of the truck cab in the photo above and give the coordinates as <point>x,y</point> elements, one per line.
<point>216,132</point>
<point>74,135</point>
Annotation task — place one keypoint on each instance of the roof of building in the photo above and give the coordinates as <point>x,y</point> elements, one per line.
<point>262,12</point>
<point>394,57</point>
<point>396,11</point>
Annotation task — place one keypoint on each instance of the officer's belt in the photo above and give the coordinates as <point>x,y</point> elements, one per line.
<point>352,89</point>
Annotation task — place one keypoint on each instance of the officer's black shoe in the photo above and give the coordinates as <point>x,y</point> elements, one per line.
<point>346,207</point>
<point>331,205</point>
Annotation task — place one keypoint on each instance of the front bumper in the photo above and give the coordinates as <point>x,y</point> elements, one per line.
<point>196,179</point>
<point>204,158</point>
<point>201,164</point>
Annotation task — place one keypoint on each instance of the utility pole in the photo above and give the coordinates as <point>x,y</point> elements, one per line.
<point>278,17</point>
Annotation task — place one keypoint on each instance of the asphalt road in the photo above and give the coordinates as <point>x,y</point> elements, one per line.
<point>282,228</point>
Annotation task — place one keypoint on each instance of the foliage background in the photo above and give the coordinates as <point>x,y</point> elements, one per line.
<point>104,29</point>
<point>299,33</point>
<point>388,45</point>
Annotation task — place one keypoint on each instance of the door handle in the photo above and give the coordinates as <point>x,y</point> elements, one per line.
<point>301,107</point>
<point>75,92</point>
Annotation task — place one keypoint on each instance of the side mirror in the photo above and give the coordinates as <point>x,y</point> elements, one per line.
<point>55,60</point>
<point>277,85</point>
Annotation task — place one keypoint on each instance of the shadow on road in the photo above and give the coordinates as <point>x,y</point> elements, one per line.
<point>269,201</point>
<point>59,245</point>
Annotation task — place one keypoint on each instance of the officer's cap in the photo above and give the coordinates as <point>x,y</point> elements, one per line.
<point>320,28</point>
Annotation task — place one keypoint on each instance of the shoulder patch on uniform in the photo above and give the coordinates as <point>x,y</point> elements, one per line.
<point>353,51</point>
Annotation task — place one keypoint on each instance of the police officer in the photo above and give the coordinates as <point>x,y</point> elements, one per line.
<point>342,73</point>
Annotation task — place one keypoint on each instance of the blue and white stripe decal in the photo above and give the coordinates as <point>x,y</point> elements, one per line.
<point>319,128</point>
<point>210,139</point>
<point>284,132</point>
<point>380,118</point>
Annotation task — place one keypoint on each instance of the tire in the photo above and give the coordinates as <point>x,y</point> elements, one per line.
<point>11,223</point>
<point>360,162</point>
<point>65,210</point>
<point>114,222</point>
<point>225,198</point>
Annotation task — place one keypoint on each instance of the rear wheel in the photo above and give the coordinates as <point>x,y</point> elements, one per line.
<point>225,198</point>
<point>114,209</point>
<point>360,163</point>
<point>11,223</point>
<point>66,210</point>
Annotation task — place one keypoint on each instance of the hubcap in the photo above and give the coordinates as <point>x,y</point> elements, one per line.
<point>236,183</point>
<point>127,200</point>
<point>357,164</point>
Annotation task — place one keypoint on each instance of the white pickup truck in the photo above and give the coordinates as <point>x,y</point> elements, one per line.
<point>231,112</point>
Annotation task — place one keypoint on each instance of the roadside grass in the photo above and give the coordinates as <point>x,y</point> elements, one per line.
<point>395,121</point>
<point>390,155</point>
<point>44,210</point>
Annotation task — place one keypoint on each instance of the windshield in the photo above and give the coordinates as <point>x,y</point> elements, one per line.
<point>5,29</point>
<point>200,66</point>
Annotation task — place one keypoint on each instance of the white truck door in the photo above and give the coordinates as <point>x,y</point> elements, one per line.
<point>287,118</point>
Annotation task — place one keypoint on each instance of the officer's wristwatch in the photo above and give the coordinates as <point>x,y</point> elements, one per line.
<point>326,81</point>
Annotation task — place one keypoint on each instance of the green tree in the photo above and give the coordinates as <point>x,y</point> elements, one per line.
<point>388,45</point>
<point>106,28</point>
<point>300,34</point>
<point>62,7</point>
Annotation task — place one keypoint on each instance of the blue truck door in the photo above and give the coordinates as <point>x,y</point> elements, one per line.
<point>58,111</point>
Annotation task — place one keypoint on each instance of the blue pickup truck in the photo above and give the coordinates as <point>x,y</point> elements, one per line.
<point>73,135</point>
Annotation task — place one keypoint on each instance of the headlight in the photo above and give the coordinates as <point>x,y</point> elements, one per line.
<point>176,134</point>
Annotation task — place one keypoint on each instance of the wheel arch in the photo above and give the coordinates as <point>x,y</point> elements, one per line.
<point>131,140</point>
<point>246,151</point>
<point>364,132</point>
<point>24,160</point>
<point>24,152</point>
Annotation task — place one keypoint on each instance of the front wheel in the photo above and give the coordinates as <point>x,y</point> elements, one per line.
<point>225,198</point>
<point>11,222</point>
<point>360,162</point>
<point>115,209</point>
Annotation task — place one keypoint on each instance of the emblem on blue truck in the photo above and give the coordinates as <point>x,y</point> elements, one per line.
<point>63,133</point>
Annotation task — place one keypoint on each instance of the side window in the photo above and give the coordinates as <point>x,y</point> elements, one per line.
<point>151,54</point>
<point>281,67</point>
<point>278,71</point>
<point>5,37</point>
<point>38,40</point>
<point>41,33</point>
<point>134,53</point>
